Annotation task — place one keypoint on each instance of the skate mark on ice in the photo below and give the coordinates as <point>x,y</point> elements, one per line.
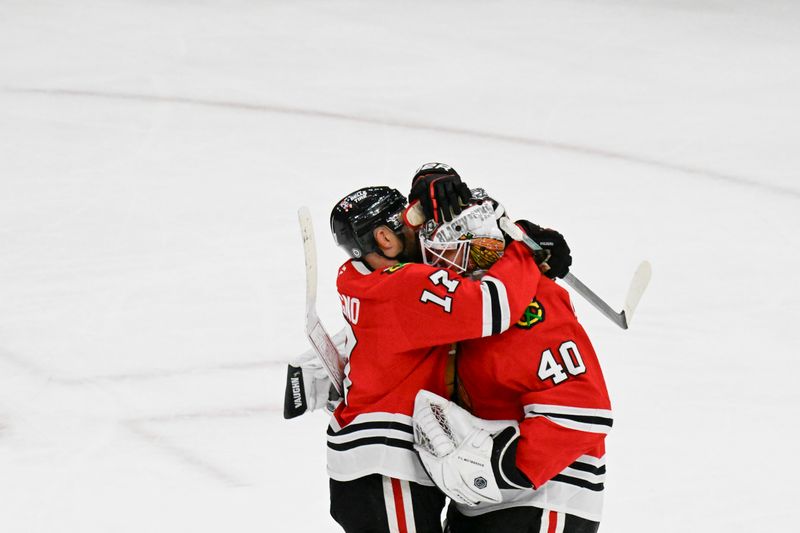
<point>419,126</point>
<point>137,426</point>
<point>183,455</point>
<point>27,365</point>
<point>211,414</point>
<point>168,373</point>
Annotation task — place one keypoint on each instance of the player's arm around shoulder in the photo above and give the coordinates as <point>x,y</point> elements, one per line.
<point>519,275</point>
<point>434,305</point>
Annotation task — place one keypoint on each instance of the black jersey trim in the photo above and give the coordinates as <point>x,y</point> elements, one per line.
<point>362,426</point>
<point>585,467</point>
<point>584,419</point>
<point>494,297</point>
<point>578,482</point>
<point>599,420</point>
<point>367,441</point>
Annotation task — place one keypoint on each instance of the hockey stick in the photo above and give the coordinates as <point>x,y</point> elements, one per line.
<point>317,336</point>
<point>303,382</point>
<point>294,397</point>
<point>637,287</point>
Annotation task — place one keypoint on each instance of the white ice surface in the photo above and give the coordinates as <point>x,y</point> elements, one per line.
<point>152,158</point>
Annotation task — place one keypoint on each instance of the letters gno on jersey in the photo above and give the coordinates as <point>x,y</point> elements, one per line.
<point>351,308</point>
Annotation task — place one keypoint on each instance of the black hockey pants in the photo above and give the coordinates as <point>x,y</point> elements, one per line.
<point>518,520</point>
<point>380,504</point>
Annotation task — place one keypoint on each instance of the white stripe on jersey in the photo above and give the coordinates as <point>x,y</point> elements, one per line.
<point>505,312</point>
<point>591,477</point>
<point>373,417</point>
<point>374,443</point>
<point>577,418</point>
<point>564,494</point>
<point>567,410</point>
<point>361,268</point>
<point>592,460</point>
<point>374,432</point>
<point>496,313</point>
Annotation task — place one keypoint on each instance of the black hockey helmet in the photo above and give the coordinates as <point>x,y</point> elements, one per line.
<point>355,216</point>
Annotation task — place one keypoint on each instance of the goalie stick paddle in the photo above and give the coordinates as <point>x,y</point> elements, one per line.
<point>641,278</point>
<point>316,333</point>
<point>294,398</point>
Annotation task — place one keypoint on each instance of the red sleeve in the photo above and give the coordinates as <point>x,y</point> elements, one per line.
<point>564,421</point>
<point>432,306</point>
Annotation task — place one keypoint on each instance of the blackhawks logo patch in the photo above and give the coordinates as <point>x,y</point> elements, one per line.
<point>394,268</point>
<point>534,314</point>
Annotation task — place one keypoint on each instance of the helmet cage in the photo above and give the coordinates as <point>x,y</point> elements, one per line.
<point>454,255</point>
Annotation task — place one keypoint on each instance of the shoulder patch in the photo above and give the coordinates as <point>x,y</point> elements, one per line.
<point>534,314</point>
<point>394,268</point>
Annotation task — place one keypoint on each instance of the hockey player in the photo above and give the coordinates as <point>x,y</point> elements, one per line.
<point>526,452</point>
<point>439,192</point>
<point>401,320</point>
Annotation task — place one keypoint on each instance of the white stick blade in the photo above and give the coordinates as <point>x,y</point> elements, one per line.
<point>317,336</point>
<point>641,279</point>
<point>310,253</point>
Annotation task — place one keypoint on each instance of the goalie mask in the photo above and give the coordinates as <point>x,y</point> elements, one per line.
<point>471,241</point>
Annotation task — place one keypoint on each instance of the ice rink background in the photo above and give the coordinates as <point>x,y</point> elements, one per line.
<point>153,155</point>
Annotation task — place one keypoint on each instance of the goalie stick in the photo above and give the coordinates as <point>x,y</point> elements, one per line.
<point>316,333</point>
<point>637,287</point>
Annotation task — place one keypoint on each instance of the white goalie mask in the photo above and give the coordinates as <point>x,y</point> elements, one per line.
<point>471,241</point>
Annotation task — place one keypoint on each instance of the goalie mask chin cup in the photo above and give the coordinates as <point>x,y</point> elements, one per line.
<point>468,243</point>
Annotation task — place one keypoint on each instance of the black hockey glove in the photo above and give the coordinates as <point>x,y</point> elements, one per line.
<point>559,259</point>
<point>440,191</point>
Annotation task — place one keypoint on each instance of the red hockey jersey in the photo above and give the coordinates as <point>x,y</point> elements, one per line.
<point>544,373</point>
<point>401,322</point>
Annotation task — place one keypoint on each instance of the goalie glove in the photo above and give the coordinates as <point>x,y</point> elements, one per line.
<point>308,386</point>
<point>468,458</point>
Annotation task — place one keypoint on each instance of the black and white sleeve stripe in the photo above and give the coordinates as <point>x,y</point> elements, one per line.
<point>577,418</point>
<point>586,472</point>
<point>385,433</point>
<point>374,443</point>
<point>496,314</point>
